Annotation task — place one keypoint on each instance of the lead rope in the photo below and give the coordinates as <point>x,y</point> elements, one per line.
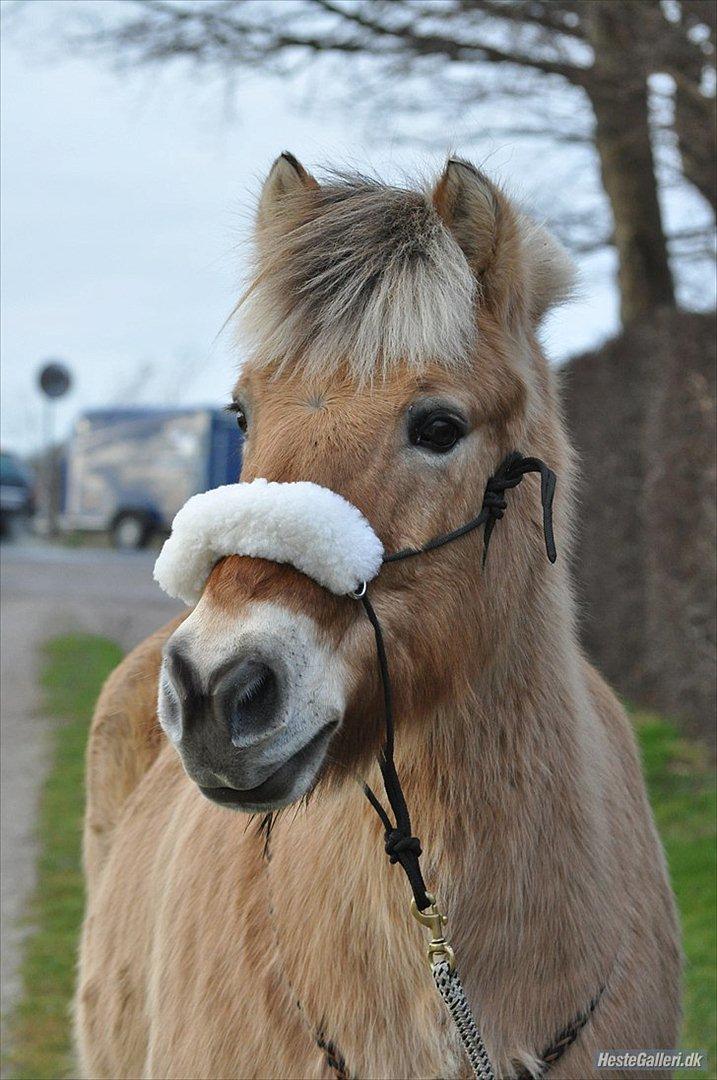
<point>401,846</point>
<point>450,988</point>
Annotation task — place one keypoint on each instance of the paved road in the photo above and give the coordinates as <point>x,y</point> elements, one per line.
<point>46,591</point>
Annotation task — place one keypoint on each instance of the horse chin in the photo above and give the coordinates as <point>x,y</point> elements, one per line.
<point>291,781</point>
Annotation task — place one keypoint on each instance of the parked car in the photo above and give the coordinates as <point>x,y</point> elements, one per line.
<point>17,499</point>
<point>130,470</point>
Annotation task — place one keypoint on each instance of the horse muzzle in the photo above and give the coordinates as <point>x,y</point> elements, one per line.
<point>251,706</point>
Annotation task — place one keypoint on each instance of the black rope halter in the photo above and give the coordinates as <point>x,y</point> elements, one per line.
<point>401,845</point>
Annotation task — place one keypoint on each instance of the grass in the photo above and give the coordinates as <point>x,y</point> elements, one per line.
<point>680,778</point>
<point>74,668</point>
<point>681,783</point>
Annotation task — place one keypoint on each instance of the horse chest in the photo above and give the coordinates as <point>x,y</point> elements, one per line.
<point>352,958</point>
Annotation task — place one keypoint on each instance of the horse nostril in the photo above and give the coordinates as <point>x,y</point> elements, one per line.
<point>254,683</point>
<point>179,671</point>
<point>249,699</point>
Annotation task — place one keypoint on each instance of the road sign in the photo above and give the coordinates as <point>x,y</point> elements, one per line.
<point>54,379</point>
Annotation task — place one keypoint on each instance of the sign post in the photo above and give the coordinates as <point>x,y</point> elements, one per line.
<point>54,381</point>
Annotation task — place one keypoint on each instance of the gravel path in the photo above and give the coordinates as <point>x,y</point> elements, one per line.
<point>46,591</point>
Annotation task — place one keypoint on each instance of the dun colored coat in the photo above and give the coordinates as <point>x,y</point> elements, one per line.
<point>394,358</point>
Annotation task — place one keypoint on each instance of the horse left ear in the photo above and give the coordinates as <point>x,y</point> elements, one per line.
<point>287,177</point>
<point>482,221</point>
<point>521,269</point>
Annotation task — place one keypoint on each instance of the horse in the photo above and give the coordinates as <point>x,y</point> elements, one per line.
<point>243,921</point>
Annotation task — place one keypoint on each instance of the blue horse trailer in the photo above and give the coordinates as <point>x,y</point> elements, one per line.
<point>130,470</point>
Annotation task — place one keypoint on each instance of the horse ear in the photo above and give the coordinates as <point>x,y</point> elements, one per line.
<point>287,176</point>
<point>483,223</point>
<point>522,270</point>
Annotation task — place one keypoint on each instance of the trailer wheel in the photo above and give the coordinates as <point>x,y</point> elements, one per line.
<point>131,531</point>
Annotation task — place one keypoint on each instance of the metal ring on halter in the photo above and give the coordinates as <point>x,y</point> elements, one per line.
<point>357,594</point>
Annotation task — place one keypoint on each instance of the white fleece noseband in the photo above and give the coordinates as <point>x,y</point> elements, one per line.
<point>303,524</point>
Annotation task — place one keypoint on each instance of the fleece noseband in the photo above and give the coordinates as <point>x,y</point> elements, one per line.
<point>328,539</point>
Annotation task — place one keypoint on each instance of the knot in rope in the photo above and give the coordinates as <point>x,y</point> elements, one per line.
<point>397,844</point>
<point>508,475</point>
<point>494,502</point>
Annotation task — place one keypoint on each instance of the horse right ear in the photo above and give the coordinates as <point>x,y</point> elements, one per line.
<point>287,177</point>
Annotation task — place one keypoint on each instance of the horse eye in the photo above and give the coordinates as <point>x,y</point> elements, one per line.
<point>438,431</point>
<point>242,422</point>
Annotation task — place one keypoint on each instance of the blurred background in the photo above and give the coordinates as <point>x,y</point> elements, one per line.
<point>135,135</point>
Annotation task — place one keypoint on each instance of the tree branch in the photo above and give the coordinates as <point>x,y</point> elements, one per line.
<point>531,13</point>
<point>454,49</point>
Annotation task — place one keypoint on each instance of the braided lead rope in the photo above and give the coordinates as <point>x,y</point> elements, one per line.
<point>450,988</point>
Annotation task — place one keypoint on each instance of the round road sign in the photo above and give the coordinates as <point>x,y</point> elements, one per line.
<point>54,379</point>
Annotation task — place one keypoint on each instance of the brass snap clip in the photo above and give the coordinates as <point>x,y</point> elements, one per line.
<point>435,920</point>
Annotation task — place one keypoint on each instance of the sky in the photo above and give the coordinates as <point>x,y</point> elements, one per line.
<point>126,207</point>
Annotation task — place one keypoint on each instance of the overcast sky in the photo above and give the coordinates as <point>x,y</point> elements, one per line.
<point>126,199</point>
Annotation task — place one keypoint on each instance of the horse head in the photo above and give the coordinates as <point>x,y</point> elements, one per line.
<point>393,362</point>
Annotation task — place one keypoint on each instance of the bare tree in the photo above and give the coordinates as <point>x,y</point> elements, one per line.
<point>461,51</point>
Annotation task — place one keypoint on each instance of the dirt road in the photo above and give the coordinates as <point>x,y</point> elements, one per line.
<point>46,591</point>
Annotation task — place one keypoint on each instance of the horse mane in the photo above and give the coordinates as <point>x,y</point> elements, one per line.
<point>359,274</point>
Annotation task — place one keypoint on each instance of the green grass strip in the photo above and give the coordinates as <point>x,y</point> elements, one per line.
<point>680,779</point>
<point>681,783</point>
<point>73,670</point>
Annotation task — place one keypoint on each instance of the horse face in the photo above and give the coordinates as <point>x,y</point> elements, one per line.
<point>272,681</point>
